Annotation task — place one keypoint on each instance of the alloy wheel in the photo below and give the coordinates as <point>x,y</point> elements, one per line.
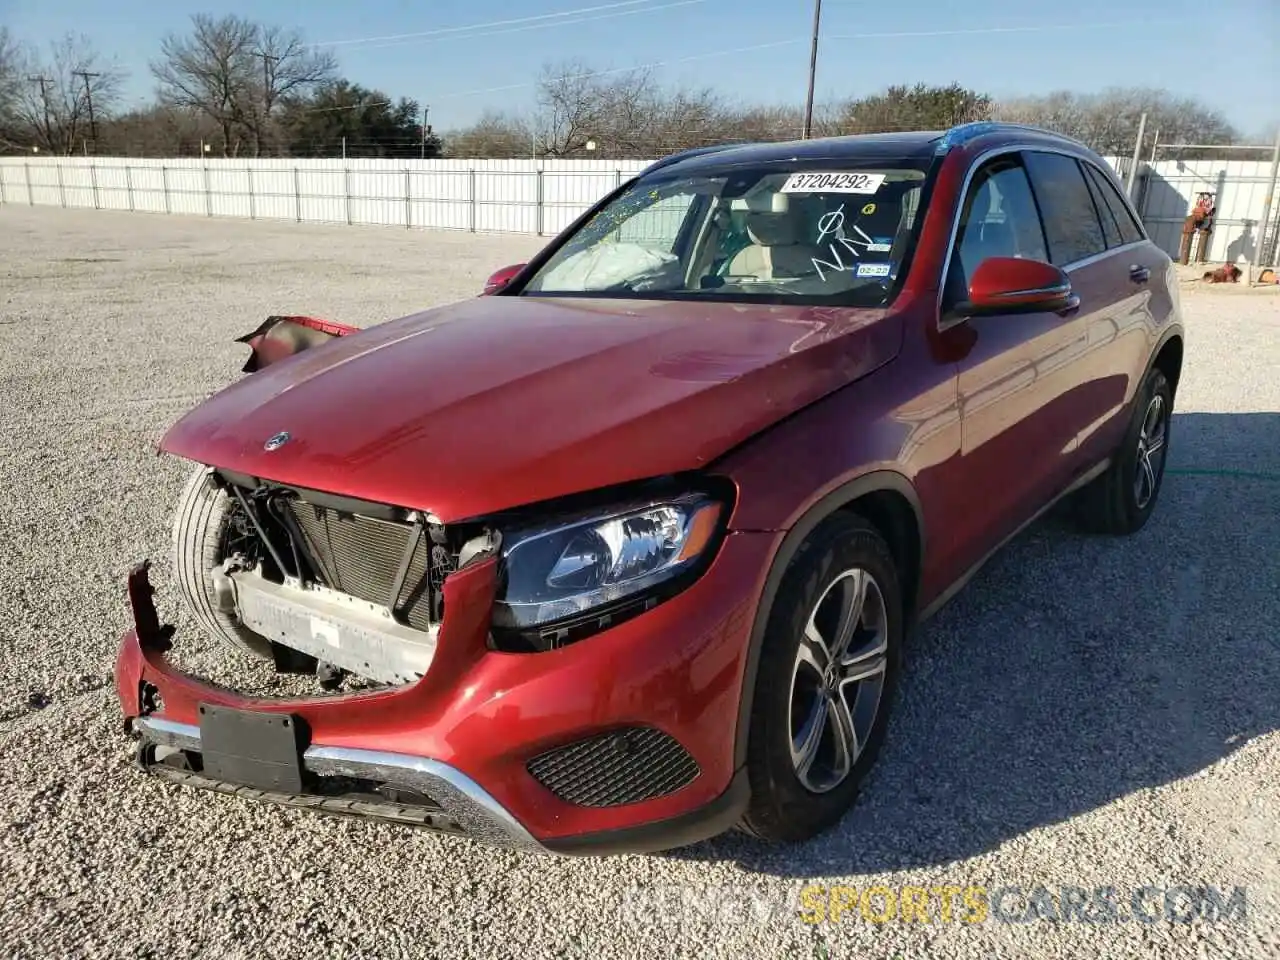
<point>1152,446</point>
<point>837,680</point>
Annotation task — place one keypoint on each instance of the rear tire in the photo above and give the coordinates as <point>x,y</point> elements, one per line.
<point>1120,501</point>
<point>802,781</point>
<point>200,528</point>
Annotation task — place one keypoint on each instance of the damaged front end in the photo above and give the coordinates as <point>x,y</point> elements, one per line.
<point>343,590</point>
<point>282,336</point>
<point>340,586</point>
<point>284,752</point>
<point>455,690</point>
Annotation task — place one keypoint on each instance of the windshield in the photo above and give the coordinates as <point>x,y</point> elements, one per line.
<point>826,235</point>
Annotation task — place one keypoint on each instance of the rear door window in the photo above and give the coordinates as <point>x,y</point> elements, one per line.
<point>1130,231</point>
<point>1110,229</point>
<point>1071,222</point>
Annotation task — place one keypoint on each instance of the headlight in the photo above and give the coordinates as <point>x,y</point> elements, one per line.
<point>561,570</point>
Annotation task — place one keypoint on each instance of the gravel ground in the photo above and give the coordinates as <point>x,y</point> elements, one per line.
<point>1088,713</point>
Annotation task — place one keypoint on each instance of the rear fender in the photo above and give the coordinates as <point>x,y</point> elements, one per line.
<point>279,337</point>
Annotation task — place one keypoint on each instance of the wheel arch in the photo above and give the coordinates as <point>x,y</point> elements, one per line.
<point>1167,357</point>
<point>887,500</point>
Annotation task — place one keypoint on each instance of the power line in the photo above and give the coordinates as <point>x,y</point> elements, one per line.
<point>480,26</point>
<point>631,69</point>
<point>541,26</point>
<point>1044,27</point>
<point>791,42</point>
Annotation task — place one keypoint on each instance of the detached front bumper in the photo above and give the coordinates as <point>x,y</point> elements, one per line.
<point>497,747</point>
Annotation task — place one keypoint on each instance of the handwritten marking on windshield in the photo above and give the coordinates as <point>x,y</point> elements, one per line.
<point>831,224</point>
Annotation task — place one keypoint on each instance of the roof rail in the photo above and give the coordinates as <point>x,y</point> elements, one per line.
<point>690,153</point>
<point>965,132</point>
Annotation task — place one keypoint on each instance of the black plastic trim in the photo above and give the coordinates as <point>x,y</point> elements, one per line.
<point>835,500</point>
<point>708,821</point>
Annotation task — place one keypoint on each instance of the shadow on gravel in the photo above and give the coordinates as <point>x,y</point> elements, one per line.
<point>1076,670</point>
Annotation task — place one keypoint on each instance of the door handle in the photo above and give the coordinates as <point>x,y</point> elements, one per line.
<point>1139,274</point>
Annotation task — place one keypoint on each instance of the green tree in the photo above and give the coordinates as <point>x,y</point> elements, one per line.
<point>921,107</point>
<point>371,123</point>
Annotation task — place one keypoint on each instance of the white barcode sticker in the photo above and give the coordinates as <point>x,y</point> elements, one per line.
<point>833,182</point>
<point>325,632</point>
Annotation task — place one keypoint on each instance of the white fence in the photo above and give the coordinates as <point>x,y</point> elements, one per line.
<point>522,196</point>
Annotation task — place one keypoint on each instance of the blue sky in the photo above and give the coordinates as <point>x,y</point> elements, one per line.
<point>1224,53</point>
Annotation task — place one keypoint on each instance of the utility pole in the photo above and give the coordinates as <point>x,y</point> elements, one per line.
<point>44,99</point>
<point>426,112</point>
<point>1137,155</point>
<point>267,59</point>
<point>1265,251</point>
<point>88,96</point>
<point>813,69</point>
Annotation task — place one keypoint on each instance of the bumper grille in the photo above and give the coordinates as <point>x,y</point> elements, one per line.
<point>622,766</point>
<point>361,556</point>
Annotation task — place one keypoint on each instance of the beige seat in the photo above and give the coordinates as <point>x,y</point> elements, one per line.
<point>779,249</point>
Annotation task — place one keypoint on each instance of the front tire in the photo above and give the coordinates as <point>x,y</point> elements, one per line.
<point>1120,502</point>
<point>202,527</point>
<point>827,672</point>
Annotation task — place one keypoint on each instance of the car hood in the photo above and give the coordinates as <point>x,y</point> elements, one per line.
<point>495,402</point>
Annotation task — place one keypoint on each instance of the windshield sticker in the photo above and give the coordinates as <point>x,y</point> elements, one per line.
<point>873,270</point>
<point>879,247</point>
<point>869,209</point>
<point>833,183</point>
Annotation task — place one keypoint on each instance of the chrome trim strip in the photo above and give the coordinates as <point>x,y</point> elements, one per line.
<point>457,794</point>
<point>182,736</point>
<point>1095,257</point>
<point>431,774</point>
<point>1056,288</point>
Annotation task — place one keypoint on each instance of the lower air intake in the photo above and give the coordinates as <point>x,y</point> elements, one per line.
<point>622,766</point>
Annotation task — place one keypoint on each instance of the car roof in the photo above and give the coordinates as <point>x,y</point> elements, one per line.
<point>907,145</point>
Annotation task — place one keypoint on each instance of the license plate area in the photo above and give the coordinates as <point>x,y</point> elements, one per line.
<point>260,750</point>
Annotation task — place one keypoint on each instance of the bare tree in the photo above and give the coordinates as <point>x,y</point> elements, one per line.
<point>236,72</point>
<point>290,69</point>
<point>9,80</point>
<point>10,60</point>
<point>494,136</point>
<point>577,106</point>
<point>211,70</point>
<point>1108,121</point>
<point>626,113</point>
<point>55,96</point>
<point>158,131</point>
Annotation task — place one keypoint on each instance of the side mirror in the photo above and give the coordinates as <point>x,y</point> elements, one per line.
<point>1011,285</point>
<point>501,279</point>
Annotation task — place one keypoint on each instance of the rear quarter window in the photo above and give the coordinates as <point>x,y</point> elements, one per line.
<point>1071,222</point>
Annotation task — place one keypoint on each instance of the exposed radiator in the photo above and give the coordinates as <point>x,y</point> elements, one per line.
<point>361,556</point>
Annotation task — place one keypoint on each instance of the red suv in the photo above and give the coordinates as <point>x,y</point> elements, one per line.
<point>623,553</point>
